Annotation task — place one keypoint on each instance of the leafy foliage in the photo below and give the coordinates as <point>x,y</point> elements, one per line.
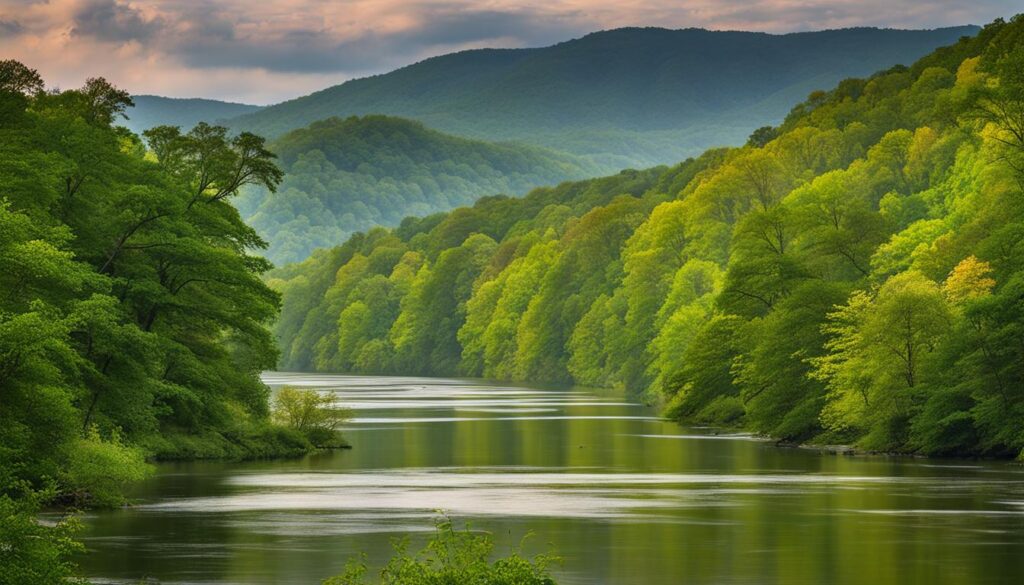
<point>131,312</point>
<point>313,414</point>
<point>452,557</point>
<point>100,470</point>
<point>32,552</point>
<point>854,274</point>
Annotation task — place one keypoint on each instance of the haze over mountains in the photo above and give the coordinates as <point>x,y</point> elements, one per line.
<point>631,97</point>
<point>624,97</point>
<point>153,110</point>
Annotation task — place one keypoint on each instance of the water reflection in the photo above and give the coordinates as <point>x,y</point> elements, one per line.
<point>623,496</point>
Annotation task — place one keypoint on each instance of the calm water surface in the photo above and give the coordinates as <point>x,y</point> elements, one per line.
<point>621,495</point>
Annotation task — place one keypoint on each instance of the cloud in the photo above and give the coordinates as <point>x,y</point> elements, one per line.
<point>217,42</point>
<point>267,50</point>
<point>111,21</point>
<point>10,27</point>
<point>455,25</point>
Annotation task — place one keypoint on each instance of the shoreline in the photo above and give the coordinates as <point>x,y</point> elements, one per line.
<point>838,449</point>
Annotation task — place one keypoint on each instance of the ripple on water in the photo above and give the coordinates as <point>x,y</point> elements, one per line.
<point>321,523</point>
<point>745,494</point>
<point>508,492</point>
<point>359,404</point>
<point>709,437</point>
<point>362,420</point>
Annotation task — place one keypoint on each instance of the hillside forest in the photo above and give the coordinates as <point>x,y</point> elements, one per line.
<point>349,175</point>
<point>628,97</point>
<point>853,275</point>
<point>657,97</point>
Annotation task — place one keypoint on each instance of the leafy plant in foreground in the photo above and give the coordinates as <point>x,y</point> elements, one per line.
<point>34,552</point>
<point>452,557</point>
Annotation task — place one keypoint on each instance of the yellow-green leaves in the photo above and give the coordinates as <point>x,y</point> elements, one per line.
<point>878,347</point>
<point>968,281</point>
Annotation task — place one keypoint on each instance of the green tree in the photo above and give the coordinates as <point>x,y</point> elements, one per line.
<point>310,412</point>
<point>425,334</point>
<point>703,389</point>
<point>780,398</point>
<point>132,322</point>
<point>879,346</point>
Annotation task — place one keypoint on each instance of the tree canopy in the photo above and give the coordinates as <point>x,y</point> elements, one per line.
<point>133,316</point>
<point>853,274</point>
<point>349,175</point>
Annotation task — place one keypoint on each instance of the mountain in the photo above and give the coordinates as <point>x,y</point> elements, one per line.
<point>624,97</point>
<point>852,276</point>
<point>348,175</point>
<point>152,110</point>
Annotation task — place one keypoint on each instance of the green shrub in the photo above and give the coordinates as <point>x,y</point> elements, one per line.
<point>33,552</point>
<point>99,470</point>
<point>311,413</point>
<point>452,557</point>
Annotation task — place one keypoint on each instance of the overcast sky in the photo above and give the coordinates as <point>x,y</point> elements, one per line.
<point>263,51</point>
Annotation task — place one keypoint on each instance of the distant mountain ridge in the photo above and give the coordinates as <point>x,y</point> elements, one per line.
<point>623,97</point>
<point>153,110</point>
<point>349,175</point>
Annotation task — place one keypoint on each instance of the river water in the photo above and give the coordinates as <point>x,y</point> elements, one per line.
<point>619,494</point>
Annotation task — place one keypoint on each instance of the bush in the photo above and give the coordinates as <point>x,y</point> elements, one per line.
<point>99,470</point>
<point>311,413</point>
<point>452,557</point>
<point>32,552</point>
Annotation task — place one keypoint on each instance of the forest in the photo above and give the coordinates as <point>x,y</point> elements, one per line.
<point>133,315</point>
<point>349,175</point>
<point>854,275</point>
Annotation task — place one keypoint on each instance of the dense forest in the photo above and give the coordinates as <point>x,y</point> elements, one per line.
<point>344,176</point>
<point>133,316</point>
<point>624,97</point>
<point>855,274</point>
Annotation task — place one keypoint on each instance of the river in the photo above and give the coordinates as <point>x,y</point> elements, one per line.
<point>621,495</point>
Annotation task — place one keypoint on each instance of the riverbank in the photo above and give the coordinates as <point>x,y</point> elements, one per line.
<point>848,450</point>
<point>265,442</point>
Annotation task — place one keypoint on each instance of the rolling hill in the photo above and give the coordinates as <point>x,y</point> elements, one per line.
<point>624,97</point>
<point>349,175</point>
<point>152,110</point>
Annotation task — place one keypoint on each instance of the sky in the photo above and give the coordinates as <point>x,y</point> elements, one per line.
<point>265,51</point>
